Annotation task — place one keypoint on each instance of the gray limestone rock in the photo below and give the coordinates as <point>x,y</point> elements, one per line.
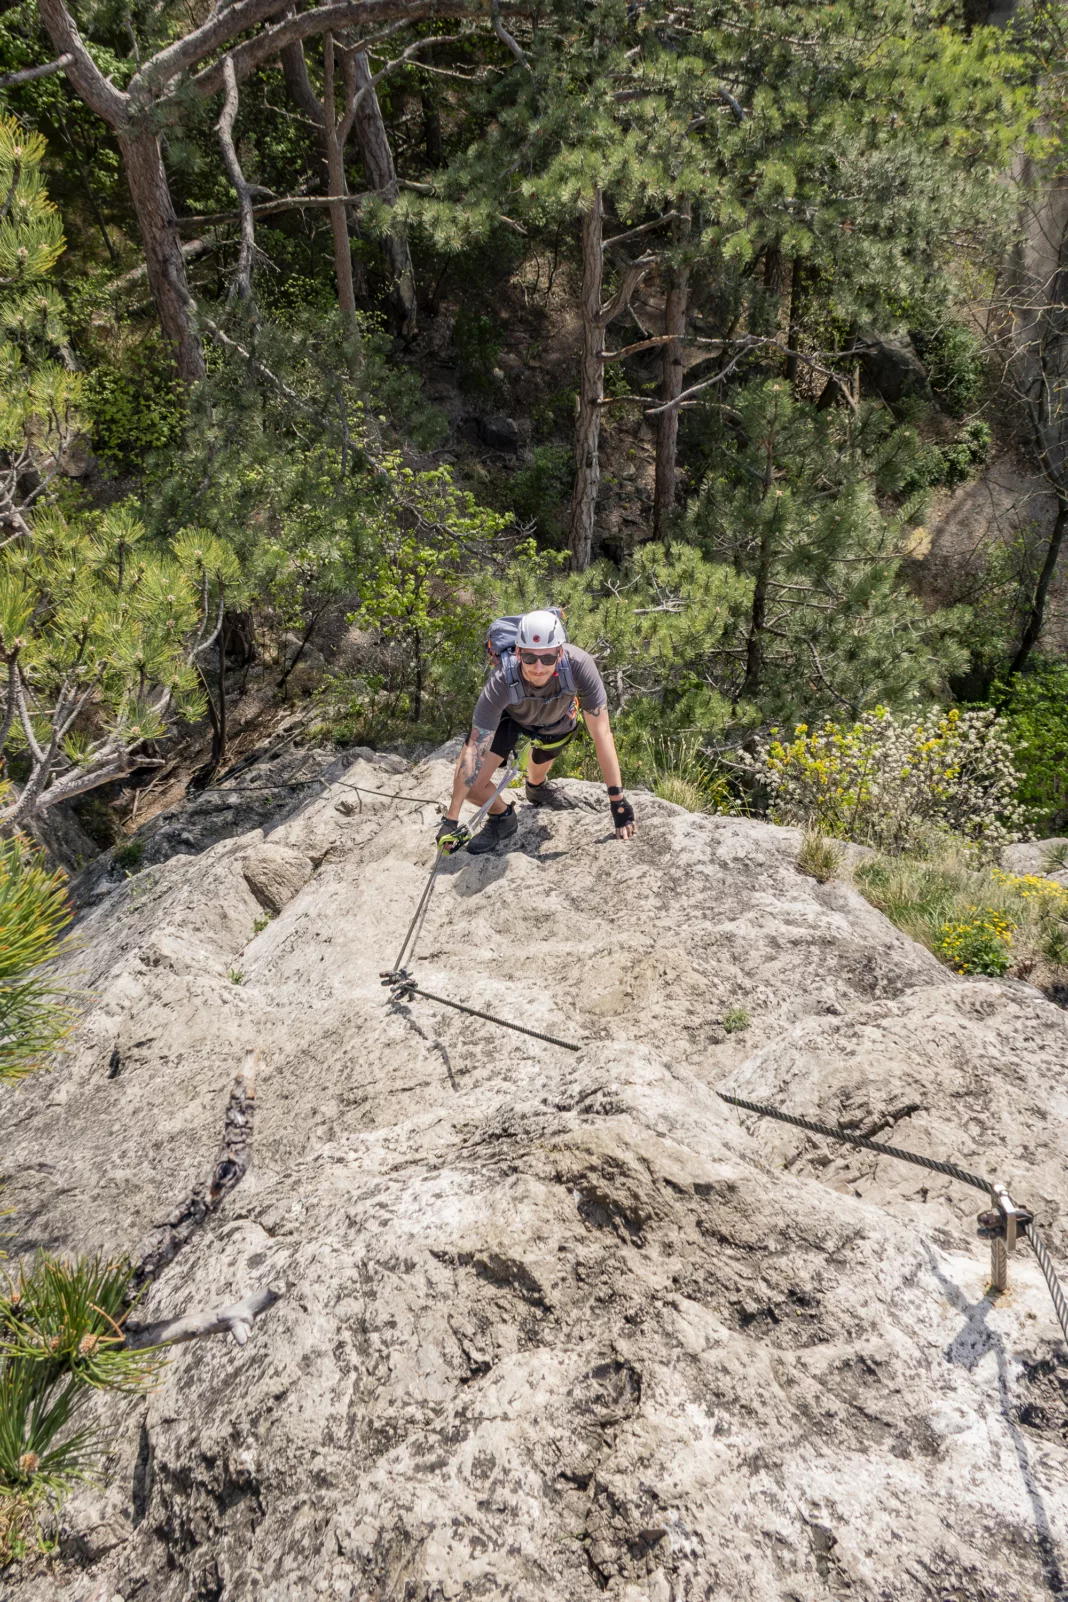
<point>275,873</point>
<point>557,1324</point>
<point>1038,856</point>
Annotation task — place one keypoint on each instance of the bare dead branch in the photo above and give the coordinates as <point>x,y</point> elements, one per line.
<point>242,284</point>
<point>8,80</point>
<point>633,274</point>
<point>235,1154</point>
<point>506,38</point>
<point>192,250</point>
<point>236,1321</point>
<point>645,228</point>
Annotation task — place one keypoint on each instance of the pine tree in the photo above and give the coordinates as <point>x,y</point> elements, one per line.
<point>795,177</point>
<point>790,501</point>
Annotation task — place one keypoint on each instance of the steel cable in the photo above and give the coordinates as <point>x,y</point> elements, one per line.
<point>417,916</point>
<point>1029,1230</point>
<point>1045,1262</point>
<point>949,1169</point>
<point>408,987</point>
<point>341,784</point>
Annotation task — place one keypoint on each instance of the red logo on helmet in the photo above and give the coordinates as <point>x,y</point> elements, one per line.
<point>537,637</point>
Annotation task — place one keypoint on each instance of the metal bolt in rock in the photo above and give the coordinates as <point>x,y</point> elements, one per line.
<point>1001,1228</point>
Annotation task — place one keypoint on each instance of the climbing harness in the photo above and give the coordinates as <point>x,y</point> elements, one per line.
<point>1002,1225</point>
<point>399,981</point>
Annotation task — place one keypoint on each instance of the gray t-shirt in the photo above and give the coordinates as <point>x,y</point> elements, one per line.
<point>548,710</point>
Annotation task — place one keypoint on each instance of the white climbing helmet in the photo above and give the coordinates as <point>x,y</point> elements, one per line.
<point>540,631</point>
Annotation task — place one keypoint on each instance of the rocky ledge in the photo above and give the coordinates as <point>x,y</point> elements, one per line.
<point>555,1324</point>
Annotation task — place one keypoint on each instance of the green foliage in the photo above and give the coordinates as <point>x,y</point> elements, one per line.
<point>980,943</point>
<point>111,619</point>
<point>789,500</point>
<point>677,770</point>
<point>476,337</point>
<point>1034,707</point>
<point>34,912</point>
<point>63,1320</point>
<point>956,364</point>
<point>431,541</point>
<point>31,234</point>
<point>889,782</point>
<point>736,1020</point>
<point>39,397</point>
<point>129,856</point>
<point>946,466</point>
<point>538,493</point>
<point>819,857</point>
<point>135,403</point>
<point>60,1339</point>
<point>975,918</point>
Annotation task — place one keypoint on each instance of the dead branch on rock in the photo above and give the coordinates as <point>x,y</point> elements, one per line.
<point>230,1167</point>
<point>236,1321</point>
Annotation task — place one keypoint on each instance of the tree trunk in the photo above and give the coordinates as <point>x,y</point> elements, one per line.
<point>431,128</point>
<point>758,616</point>
<point>797,301</point>
<point>163,252</point>
<point>218,755</point>
<point>303,96</point>
<point>382,176</point>
<point>667,424</point>
<point>591,389</point>
<point>335,166</point>
<point>1033,629</point>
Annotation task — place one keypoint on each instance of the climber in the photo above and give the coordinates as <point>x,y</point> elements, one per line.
<point>536,689</point>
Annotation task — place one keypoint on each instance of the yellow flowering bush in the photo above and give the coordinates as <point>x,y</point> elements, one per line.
<point>976,918</point>
<point>981,942</point>
<point>888,781</point>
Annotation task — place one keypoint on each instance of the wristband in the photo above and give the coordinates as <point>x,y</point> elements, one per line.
<point>614,789</point>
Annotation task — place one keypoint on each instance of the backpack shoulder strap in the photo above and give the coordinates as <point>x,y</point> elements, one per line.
<point>564,673</point>
<point>512,677</point>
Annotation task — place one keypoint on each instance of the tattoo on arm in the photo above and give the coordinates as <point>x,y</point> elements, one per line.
<point>474,753</point>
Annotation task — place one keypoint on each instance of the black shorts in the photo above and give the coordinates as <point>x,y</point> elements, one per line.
<point>509,734</point>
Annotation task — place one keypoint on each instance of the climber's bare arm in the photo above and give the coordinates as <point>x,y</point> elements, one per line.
<point>469,765</point>
<point>603,743</point>
<point>605,746</point>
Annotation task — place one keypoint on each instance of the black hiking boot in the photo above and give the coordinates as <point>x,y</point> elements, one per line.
<point>498,827</point>
<point>548,795</point>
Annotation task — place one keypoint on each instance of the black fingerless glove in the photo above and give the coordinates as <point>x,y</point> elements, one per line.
<point>450,836</point>
<point>622,811</point>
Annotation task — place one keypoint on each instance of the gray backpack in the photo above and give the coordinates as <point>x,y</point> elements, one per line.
<point>500,648</point>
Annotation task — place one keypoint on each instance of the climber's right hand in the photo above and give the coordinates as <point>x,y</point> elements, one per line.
<point>451,836</point>
<point>622,815</point>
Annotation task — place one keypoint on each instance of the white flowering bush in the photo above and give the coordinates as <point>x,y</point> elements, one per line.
<point>888,781</point>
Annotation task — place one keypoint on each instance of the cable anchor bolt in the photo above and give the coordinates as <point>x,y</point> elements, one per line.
<point>1001,1225</point>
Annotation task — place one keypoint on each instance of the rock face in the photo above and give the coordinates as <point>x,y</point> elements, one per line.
<point>557,1324</point>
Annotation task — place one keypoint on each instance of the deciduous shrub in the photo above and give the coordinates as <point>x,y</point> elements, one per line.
<point>1034,708</point>
<point>889,781</point>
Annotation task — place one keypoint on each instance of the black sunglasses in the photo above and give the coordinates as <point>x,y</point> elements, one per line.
<point>528,658</point>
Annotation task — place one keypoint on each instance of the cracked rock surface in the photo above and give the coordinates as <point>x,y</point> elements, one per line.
<point>556,1325</point>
